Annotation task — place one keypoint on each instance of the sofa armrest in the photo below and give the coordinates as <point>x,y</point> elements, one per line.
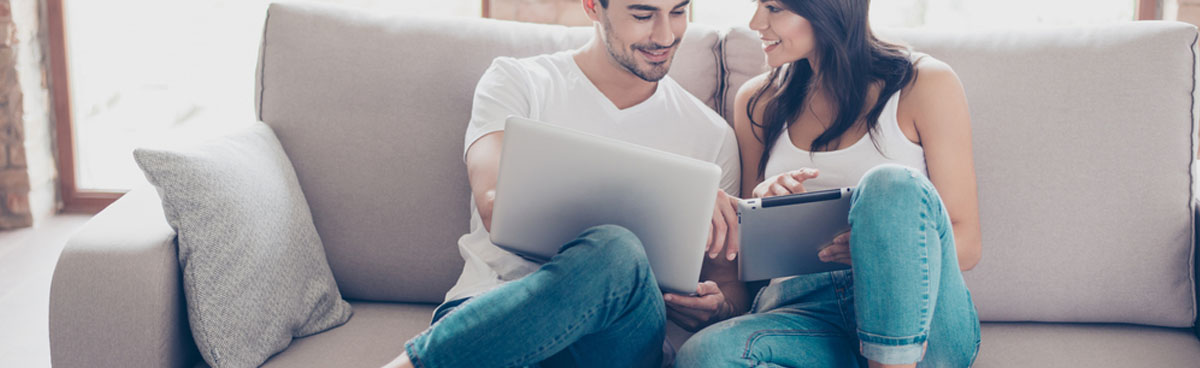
<point>116,299</point>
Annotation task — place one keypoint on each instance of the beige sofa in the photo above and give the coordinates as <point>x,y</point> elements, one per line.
<point>1084,141</point>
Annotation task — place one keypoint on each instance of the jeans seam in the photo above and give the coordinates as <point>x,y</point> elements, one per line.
<point>926,221</point>
<point>840,302</point>
<point>764,333</point>
<point>410,346</point>
<point>412,356</point>
<point>925,281</point>
<point>797,308</point>
<point>570,328</point>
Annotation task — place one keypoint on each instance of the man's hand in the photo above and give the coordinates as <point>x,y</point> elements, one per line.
<point>837,251</point>
<point>696,312</point>
<point>723,232</point>
<point>791,182</point>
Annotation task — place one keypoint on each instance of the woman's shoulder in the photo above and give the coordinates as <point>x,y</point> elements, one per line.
<point>935,90</point>
<point>931,74</point>
<point>934,80</point>
<point>752,86</point>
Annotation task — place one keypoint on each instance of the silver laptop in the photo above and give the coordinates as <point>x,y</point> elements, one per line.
<point>781,236</point>
<point>556,182</point>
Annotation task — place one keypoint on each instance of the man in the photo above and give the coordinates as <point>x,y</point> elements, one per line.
<point>595,303</point>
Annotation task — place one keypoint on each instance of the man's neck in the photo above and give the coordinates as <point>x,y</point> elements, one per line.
<point>622,87</point>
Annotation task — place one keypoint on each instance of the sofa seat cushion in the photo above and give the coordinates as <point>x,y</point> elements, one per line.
<point>378,331</point>
<point>374,336</point>
<point>1033,345</point>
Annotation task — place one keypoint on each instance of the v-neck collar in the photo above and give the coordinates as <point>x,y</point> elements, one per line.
<point>607,103</point>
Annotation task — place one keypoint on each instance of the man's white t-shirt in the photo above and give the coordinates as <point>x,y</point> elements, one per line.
<point>552,88</point>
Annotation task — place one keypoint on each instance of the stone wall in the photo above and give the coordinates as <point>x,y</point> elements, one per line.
<point>32,69</point>
<point>28,175</point>
<point>14,172</point>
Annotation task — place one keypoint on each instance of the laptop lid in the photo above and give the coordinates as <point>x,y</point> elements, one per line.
<point>556,182</point>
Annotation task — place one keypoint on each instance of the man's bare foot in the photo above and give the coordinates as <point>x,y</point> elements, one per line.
<point>400,362</point>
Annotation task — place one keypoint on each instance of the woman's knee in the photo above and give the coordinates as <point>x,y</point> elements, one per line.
<point>890,200</point>
<point>890,180</point>
<point>892,190</point>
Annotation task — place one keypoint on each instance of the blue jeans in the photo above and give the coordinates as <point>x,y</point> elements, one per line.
<point>904,290</point>
<point>595,303</point>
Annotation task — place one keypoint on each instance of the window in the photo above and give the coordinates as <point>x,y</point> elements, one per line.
<point>133,76</point>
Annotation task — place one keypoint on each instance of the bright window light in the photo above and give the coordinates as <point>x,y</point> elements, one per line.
<point>137,76</point>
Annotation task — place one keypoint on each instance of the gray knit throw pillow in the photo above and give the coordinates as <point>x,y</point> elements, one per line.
<point>254,269</point>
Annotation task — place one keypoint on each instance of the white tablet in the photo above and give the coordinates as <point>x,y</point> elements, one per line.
<point>781,236</point>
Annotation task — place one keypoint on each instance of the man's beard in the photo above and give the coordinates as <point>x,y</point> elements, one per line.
<point>654,73</point>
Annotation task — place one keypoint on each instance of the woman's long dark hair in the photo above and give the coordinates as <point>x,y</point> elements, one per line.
<point>851,60</point>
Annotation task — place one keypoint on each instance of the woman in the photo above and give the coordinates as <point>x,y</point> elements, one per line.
<point>914,220</point>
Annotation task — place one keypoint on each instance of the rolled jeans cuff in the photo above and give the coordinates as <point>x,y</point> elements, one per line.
<point>892,350</point>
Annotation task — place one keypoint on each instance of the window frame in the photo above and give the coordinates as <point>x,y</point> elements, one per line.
<point>74,199</point>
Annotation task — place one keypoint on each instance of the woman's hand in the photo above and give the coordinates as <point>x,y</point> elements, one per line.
<point>724,229</point>
<point>837,251</point>
<point>791,182</point>
<point>696,312</point>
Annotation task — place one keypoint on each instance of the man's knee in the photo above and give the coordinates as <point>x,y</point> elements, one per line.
<point>715,346</point>
<point>614,248</point>
<point>610,255</point>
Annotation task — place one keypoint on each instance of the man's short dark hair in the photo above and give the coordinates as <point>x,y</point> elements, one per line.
<point>604,4</point>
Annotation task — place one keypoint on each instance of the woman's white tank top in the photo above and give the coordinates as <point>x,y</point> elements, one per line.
<point>844,167</point>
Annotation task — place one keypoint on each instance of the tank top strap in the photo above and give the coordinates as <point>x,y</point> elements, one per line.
<point>888,125</point>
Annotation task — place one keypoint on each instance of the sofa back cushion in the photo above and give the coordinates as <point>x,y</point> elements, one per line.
<point>1084,144</point>
<point>372,109</point>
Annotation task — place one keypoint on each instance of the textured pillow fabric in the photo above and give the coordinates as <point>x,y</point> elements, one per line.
<point>254,269</point>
